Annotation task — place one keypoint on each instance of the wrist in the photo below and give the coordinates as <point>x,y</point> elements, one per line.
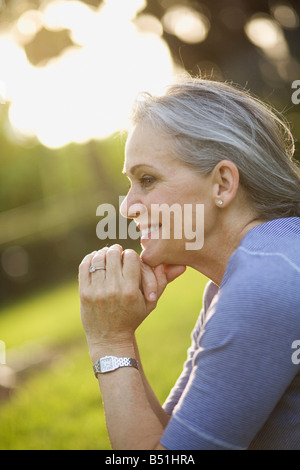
<point>111,363</point>
<point>102,349</point>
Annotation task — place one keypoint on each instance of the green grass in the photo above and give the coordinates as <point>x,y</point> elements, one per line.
<point>50,317</point>
<point>60,407</point>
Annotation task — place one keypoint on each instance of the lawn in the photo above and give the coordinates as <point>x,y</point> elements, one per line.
<point>59,407</point>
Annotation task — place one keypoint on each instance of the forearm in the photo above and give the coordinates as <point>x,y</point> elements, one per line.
<point>131,419</point>
<point>152,399</point>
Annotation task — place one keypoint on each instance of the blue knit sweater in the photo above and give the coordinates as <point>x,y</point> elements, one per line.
<point>240,385</point>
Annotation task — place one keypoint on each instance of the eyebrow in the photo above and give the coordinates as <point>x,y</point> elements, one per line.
<point>136,167</point>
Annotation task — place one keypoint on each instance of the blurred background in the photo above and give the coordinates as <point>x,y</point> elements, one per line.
<point>69,72</point>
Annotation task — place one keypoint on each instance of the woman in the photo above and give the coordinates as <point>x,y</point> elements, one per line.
<point>207,144</point>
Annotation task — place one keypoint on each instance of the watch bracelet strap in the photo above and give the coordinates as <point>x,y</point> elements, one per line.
<point>128,362</point>
<point>122,362</point>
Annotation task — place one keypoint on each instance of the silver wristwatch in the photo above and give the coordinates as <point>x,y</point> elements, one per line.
<point>110,363</point>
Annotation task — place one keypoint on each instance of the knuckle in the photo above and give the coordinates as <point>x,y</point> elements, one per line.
<point>112,254</point>
<point>84,262</point>
<point>102,250</point>
<point>98,258</point>
<point>131,293</point>
<point>80,267</point>
<point>115,248</point>
<point>100,254</point>
<point>87,258</point>
<point>97,298</point>
<point>129,253</point>
<point>85,296</point>
<point>111,291</point>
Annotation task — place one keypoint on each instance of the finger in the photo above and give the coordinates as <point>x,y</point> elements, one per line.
<point>173,271</point>
<point>98,261</point>
<point>131,267</point>
<point>114,262</point>
<point>149,283</point>
<point>83,270</point>
<point>161,278</point>
<point>165,274</point>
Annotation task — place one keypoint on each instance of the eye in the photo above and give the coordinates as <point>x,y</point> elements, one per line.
<point>146,181</point>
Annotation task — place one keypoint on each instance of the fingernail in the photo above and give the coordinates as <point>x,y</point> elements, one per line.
<point>152,296</point>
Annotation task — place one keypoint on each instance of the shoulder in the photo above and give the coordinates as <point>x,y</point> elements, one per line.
<point>262,273</point>
<point>268,254</point>
<point>261,288</point>
<point>269,265</point>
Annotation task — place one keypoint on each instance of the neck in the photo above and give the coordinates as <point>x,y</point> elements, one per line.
<point>218,247</point>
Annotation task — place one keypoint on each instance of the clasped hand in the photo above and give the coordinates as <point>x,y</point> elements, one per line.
<point>115,301</point>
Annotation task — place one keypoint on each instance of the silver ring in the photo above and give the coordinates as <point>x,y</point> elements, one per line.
<point>94,268</point>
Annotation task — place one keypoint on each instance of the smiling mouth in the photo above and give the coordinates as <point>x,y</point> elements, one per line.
<point>150,231</point>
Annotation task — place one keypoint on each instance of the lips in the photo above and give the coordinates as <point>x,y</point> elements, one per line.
<point>149,231</point>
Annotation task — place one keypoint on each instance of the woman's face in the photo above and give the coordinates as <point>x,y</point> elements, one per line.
<point>157,178</point>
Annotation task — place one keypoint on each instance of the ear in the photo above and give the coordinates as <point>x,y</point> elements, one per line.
<point>225,183</point>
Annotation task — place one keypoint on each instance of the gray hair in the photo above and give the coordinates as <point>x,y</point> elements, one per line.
<point>209,121</point>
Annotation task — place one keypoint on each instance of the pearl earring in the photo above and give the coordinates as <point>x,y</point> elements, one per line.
<point>220,202</point>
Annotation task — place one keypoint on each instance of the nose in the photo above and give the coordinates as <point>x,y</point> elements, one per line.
<point>130,209</point>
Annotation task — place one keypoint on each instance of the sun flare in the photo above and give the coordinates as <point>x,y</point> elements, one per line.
<point>87,91</point>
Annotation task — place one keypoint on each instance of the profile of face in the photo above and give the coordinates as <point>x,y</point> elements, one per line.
<point>159,179</point>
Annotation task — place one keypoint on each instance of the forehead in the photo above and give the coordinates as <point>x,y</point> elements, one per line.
<point>146,146</point>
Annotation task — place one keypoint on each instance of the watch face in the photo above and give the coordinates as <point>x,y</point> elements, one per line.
<point>107,364</point>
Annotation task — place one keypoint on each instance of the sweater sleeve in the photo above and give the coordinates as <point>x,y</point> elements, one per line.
<point>209,292</point>
<point>242,366</point>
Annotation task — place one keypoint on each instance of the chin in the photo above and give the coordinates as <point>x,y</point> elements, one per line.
<point>152,259</point>
<point>153,253</point>
<point>157,254</point>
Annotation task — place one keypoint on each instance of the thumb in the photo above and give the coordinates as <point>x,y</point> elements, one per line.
<point>165,274</point>
<point>154,281</point>
<point>149,283</point>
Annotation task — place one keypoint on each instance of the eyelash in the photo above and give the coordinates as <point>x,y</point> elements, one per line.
<point>146,181</point>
